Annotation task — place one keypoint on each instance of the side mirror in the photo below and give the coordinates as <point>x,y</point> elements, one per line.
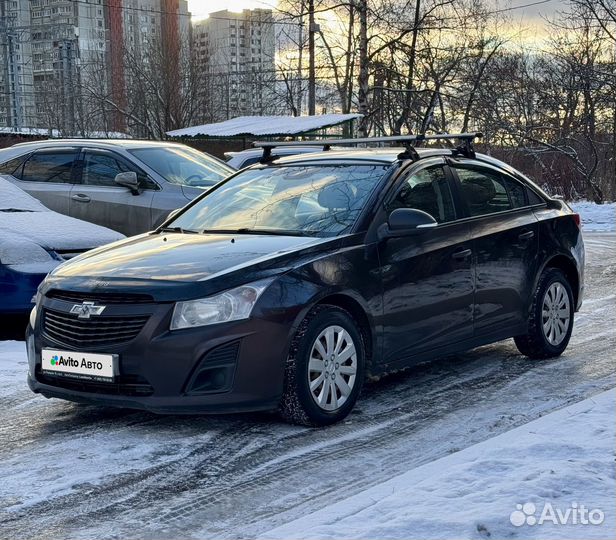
<point>129,180</point>
<point>406,221</point>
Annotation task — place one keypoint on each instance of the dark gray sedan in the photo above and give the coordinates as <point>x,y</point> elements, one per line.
<point>126,185</point>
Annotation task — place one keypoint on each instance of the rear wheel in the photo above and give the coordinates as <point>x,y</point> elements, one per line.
<point>551,319</point>
<point>325,368</point>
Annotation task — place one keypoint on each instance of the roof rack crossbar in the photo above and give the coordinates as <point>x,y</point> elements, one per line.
<point>408,141</point>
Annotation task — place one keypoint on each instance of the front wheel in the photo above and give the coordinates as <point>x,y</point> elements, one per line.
<point>551,318</point>
<point>325,368</point>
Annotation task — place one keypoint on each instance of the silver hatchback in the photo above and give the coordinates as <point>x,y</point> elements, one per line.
<point>126,185</point>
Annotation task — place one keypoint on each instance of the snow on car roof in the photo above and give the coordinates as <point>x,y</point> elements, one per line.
<point>13,198</point>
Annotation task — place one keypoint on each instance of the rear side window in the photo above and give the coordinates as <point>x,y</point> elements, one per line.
<point>49,167</point>
<point>13,166</point>
<point>427,190</point>
<point>485,191</point>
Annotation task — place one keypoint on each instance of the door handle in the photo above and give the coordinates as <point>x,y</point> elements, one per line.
<point>523,237</point>
<point>80,197</point>
<point>462,254</point>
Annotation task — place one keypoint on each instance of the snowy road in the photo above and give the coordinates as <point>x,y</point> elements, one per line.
<point>79,471</point>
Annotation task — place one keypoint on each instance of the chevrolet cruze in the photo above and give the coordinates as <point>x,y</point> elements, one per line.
<point>289,283</point>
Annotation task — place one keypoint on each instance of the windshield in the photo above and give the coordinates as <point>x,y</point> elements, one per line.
<point>183,165</point>
<point>312,200</point>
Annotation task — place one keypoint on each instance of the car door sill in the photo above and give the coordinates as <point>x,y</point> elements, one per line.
<point>466,344</point>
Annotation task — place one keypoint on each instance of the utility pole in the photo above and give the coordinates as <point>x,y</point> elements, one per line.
<point>312,29</point>
<point>300,52</point>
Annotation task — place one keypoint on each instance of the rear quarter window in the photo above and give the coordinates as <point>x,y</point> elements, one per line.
<point>13,166</point>
<point>533,198</point>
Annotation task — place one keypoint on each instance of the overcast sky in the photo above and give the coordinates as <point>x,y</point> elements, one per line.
<point>525,13</point>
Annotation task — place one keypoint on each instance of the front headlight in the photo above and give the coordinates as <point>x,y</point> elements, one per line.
<point>35,300</point>
<point>33,317</point>
<point>232,305</point>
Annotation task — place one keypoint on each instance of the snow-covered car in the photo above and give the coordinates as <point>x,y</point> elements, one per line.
<point>33,241</point>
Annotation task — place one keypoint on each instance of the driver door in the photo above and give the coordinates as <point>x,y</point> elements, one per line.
<point>98,199</point>
<point>427,276</point>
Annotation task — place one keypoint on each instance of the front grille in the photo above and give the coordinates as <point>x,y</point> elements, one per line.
<point>127,385</point>
<point>103,298</point>
<point>95,332</point>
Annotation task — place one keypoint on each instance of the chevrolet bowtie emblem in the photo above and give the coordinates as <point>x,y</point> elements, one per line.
<point>86,310</point>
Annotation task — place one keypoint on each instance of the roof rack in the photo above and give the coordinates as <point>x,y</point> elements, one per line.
<point>410,142</point>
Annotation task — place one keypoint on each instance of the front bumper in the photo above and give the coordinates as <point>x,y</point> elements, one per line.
<point>229,367</point>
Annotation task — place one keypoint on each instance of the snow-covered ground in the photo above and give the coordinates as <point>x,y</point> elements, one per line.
<point>596,217</point>
<point>564,460</point>
<point>76,471</point>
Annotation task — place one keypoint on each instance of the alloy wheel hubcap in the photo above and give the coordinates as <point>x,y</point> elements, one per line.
<point>555,313</point>
<point>332,368</point>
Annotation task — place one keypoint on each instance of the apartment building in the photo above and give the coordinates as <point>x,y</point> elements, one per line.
<point>236,52</point>
<point>58,56</point>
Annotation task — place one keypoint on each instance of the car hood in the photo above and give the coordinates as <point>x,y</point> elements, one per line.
<point>187,257</point>
<point>54,231</point>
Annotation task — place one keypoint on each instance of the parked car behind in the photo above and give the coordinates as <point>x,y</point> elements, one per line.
<point>126,185</point>
<point>250,156</point>
<point>33,241</point>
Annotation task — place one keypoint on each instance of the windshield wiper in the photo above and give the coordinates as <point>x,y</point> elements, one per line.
<point>271,232</point>
<point>14,210</point>
<point>178,230</point>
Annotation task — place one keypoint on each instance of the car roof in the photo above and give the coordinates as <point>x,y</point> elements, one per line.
<point>380,155</point>
<point>388,155</point>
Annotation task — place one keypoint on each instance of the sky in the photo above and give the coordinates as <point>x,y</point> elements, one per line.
<point>203,7</point>
<point>200,8</point>
<point>527,13</point>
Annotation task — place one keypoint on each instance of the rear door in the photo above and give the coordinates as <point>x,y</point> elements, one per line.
<point>98,199</point>
<point>428,276</point>
<point>504,233</point>
<point>48,175</point>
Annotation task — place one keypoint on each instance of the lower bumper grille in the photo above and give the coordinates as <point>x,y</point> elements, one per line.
<point>124,386</point>
<point>67,329</point>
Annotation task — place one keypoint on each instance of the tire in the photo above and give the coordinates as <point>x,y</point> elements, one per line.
<point>551,317</point>
<point>335,385</point>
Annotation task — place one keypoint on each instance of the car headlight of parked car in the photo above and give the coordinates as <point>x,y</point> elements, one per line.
<point>232,305</point>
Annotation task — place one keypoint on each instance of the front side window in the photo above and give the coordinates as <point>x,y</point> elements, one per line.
<point>183,165</point>
<point>484,191</point>
<point>427,190</point>
<point>312,200</point>
<point>49,167</point>
<point>101,169</point>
